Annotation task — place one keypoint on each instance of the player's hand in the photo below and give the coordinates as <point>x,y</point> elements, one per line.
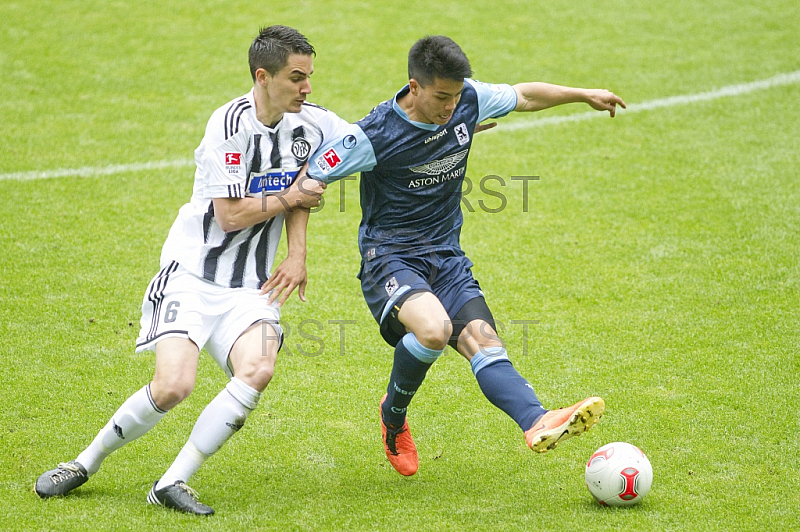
<point>603,100</point>
<point>290,274</point>
<point>484,127</point>
<point>305,192</point>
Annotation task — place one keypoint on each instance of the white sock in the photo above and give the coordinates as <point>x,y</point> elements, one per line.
<point>220,420</point>
<point>135,417</point>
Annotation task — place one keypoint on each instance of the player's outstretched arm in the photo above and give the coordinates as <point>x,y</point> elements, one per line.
<point>291,272</point>
<point>536,96</point>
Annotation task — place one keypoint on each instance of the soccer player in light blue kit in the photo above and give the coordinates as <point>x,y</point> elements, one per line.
<point>412,151</point>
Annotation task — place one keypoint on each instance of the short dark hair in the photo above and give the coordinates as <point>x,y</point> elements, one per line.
<point>271,49</point>
<point>437,56</point>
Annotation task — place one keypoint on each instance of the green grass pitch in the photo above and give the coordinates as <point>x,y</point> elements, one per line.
<point>658,254</point>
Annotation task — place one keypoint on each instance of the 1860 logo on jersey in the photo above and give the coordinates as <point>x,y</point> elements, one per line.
<point>391,286</point>
<point>462,134</point>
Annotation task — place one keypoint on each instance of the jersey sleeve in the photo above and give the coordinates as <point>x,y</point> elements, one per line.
<point>222,162</point>
<point>494,101</point>
<point>331,125</point>
<point>349,152</point>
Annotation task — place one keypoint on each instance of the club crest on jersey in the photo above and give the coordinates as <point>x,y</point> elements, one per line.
<point>462,134</point>
<point>391,286</point>
<point>328,160</point>
<point>301,149</point>
<point>271,182</point>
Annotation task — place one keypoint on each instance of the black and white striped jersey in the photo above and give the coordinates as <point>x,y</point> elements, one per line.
<point>241,157</point>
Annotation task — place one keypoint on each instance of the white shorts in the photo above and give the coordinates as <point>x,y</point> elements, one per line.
<point>179,304</point>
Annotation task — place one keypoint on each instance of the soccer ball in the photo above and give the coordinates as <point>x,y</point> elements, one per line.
<point>618,474</point>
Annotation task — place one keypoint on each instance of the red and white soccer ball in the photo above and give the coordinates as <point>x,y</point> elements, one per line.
<point>618,474</point>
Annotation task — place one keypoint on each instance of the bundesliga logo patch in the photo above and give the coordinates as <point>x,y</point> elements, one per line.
<point>328,160</point>
<point>233,162</point>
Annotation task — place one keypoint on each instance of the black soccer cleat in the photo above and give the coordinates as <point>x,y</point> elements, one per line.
<point>61,480</point>
<point>179,497</point>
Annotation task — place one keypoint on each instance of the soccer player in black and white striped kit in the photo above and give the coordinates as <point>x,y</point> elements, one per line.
<point>212,291</point>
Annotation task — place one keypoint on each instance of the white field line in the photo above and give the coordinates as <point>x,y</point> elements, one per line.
<point>672,101</point>
<point>94,171</point>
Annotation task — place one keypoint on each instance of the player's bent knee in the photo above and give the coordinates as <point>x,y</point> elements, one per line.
<point>256,374</point>
<point>434,335</point>
<point>261,376</point>
<point>168,392</point>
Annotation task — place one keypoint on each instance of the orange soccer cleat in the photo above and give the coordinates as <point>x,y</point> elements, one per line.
<point>399,447</point>
<point>564,423</point>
